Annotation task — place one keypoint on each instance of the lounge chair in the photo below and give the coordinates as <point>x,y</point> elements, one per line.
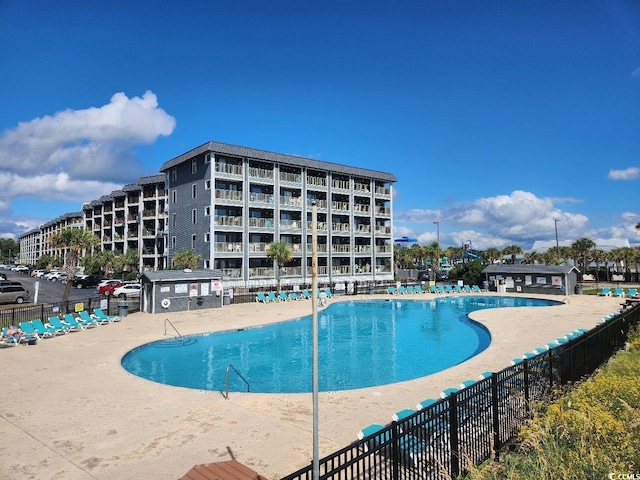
<point>327,291</point>
<point>392,290</point>
<point>99,313</point>
<point>378,437</point>
<point>306,295</point>
<point>448,289</point>
<point>426,403</point>
<point>632,292</point>
<point>57,323</point>
<point>410,289</point>
<point>467,289</point>
<point>441,289</point>
<point>432,289</point>
<point>69,319</point>
<point>44,331</point>
<point>282,296</point>
<point>261,298</point>
<point>486,374</point>
<point>29,333</point>
<point>418,289</point>
<point>85,317</point>
<point>292,296</point>
<point>468,383</point>
<point>605,292</point>
<point>272,297</point>
<point>458,289</point>
<point>476,289</point>
<point>619,292</point>
<point>445,393</point>
<point>402,290</point>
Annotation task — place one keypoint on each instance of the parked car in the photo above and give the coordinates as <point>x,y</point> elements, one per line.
<point>3,276</point>
<point>13,294</point>
<point>128,290</point>
<point>87,281</point>
<point>56,276</point>
<point>107,287</point>
<point>20,268</point>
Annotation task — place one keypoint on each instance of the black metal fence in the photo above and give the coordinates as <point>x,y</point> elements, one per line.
<point>474,423</point>
<point>22,313</point>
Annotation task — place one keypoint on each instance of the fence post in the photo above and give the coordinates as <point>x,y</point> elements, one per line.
<point>496,412</point>
<point>395,451</point>
<point>453,434</point>
<point>526,385</point>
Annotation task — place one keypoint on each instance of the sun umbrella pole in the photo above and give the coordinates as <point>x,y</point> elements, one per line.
<point>314,308</point>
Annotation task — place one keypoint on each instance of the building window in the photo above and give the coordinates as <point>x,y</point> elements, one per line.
<point>173,243</point>
<point>194,165</point>
<point>194,216</point>
<point>207,211</point>
<point>207,158</point>
<point>173,219</point>
<point>193,241</point>
<point>194,191</point>
<point>207,265</point>
<point>174,174</point>
<point>207,237</point>
<point>207,185</point>
<point>174,196</point>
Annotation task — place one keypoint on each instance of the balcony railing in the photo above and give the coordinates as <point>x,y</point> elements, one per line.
<point>362,248</point>
<point>340,227</point>
<point>297,271</point>
<point>228,168</point>
<point>261,272</point>
<point>361,207</point>
<point>340,184</point>
<point>290,177</point>
<point>227,247</point>
<point>227,221</point>
<point>321,226</point>
<point>341,206</point>
<point>260,173</point>
<point>383,210</point>
<point>322,270</point>
<point>149,213</point>
<point>232,272</point>
<point>261,197</point>
<point>290,201</point>
<point>363,228</point>
<point>319,203</point>
<point>291,224</point>
<point>317,181</point>
<point>361,188</point>
<point>383,191</point>
<point>341,248</point>
<point>132,217</point>
<point>234,195</point>
<point>322,248</point>
<point>119,221</point>
<point>383,269</point>
<point>261,222</point>
<point>341,270</point>
<point>383,229</point>
<point>258,247</point>
<point>384,249</point>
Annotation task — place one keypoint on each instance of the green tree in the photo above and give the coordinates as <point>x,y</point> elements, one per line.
<point>433,252</point>
<point>75,241</point>
<point>512,250</point>
<point>598,256</point>
<point>129,261</point>
<point>469,272</point>
<point>491,255</point>
<point>625,256</point>
<point>186,258</point>
<point>531,258</point>
<point>9,250</point>
<point>402,256</point>
<point>581,249</point>
<point>281,253</point>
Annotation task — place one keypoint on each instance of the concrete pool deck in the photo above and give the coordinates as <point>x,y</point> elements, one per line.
<point>68,410</point>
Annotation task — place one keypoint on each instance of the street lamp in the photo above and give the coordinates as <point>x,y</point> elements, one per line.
<point>557,243</point>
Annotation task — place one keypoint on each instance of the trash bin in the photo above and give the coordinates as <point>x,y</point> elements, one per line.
<point>372,289</point>
<point>123,308</point>
<point>578,289</point>
<point>226,299</point>
<point>485,286</point>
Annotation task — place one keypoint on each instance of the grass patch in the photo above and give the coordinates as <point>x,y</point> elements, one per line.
<point>589,432</point>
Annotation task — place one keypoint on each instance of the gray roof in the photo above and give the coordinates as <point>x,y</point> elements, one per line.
<point>178,275</point>
<point>65,216</point>
<point>524,269</point>
<point>159,178</point>
<point>605,244</point>
<point>238,151</point>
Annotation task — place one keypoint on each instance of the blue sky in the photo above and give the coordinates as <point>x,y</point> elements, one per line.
<point>496,117</point>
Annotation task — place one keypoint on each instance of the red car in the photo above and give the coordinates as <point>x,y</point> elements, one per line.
<point>108,286</point>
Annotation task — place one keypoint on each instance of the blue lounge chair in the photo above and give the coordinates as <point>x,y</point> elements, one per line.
<point>28,333</point>
<point>392,290</point>
<point>282,296</point>
<point>468,383</point>
<point>445,393</point>
<point>605,292</point>
<point>85,317</point>
<point>458,289</point>
<point>418,289</point>
<point>306,295</point>
<point>441,288</point>
<point>618,292</point>
<point>327,291</point>
<point>292,296</point>
<point>410,289</point>
<point>100,315</point>
<point>448,289</point>
<point>272,297</point>
<point>476,289</point>
<point>632,292</point>
<point>467,289</point>
<point>432,289</point>
<point>484,375</point>
<point>426,403</point>
<point>44,331</point>
<point>377,435</point>
<point>57,323</point>
<point>402,290</point>
<point>69,319</point>
<point>261,298</point>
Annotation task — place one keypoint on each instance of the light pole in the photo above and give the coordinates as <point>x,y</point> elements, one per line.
<point>557,242</point>
<point>314,337</point>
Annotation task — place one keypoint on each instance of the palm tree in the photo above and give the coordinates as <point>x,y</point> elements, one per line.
<point>186,258</point>
<point>491,255</point>
<point>531,258</point>
<point>75,241</point>
<point>512,250</point>
<point>281,253</point>
<point>581,250</point>
<point>625,256</point>
<point>130,261</point>
<point>402,256</point>
<point>433,252</point>
<point>598,256</point>
<point>105,259</point>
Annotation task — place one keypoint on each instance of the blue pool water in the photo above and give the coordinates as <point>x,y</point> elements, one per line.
<point>360,344</point>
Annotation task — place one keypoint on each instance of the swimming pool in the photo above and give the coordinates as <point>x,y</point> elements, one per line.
<point>360,344</point>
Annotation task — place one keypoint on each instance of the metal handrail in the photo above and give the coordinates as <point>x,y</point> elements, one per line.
<point>174,327</point>
<point>231,367</point>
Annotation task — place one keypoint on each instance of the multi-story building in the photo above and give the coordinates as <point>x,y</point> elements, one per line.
<point>228,203</point>
<point>133,218</point>
<point>42,242</point>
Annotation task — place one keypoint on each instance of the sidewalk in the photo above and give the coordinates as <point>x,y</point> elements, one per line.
<point>68,410</point>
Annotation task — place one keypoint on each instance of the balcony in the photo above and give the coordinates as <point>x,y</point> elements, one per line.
<point>322,270</point>
<point>340,227</point>
<point>232,272</point>
<point>149,213</point>
<point>231,195</point>
<point>362,249</point>
<point>340,184</point>
<point>341,270</point>
<point>361,188</point>
<point>384,249</point>
<point>291,224</point>
<point>119,221</point>
<point>322,248</point>
<point>319,203</point>
<point>261,223</point>
<point>361,208</point>
<point>386,191</point>
<point>227,221</point>
<point>260,173</point>
<point>258,247</point>
<point>290,177</point>
<point>261,197</point>
<point>228,169</point>
<point>363,228</point>
<point>316,181</point>
<point>290,201</point>
<point>227,247</point>
<point>341,206</point>
<point>320,225</point>
<point>385,211</point>
<point>132,217</point>
<point>383,229</point>
<point>261,272</point>
<point>346,248</point>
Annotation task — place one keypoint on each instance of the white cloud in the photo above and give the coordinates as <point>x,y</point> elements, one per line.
<point>520,217</point>
<point>631,173</point>
<point>79,155</point>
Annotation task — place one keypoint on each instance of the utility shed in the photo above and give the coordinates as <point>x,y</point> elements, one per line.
<point>543,279</point>
<point>181,290</point>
